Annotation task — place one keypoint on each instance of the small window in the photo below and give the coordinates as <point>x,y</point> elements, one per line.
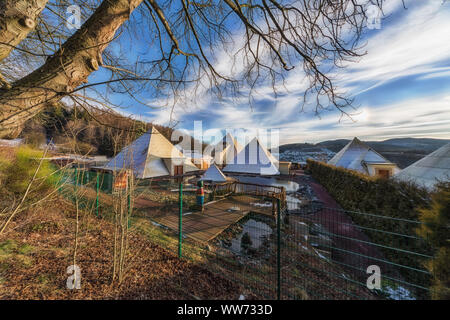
<point>384,173</point>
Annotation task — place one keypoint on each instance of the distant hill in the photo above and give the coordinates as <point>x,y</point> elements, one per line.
<point>402,151</point>
<point>86,130</point>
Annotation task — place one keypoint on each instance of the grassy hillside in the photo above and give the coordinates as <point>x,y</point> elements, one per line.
<point>38,245</point>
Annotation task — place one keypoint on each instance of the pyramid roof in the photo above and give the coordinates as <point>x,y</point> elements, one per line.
<point>355,155</point>
<point>214,174</point>
<point>255,159</point>
<point>225,150</point>
<point>428,170</point>
<point>145,156</point>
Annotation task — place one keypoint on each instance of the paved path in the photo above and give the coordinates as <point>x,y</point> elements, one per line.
<point>352,249</point>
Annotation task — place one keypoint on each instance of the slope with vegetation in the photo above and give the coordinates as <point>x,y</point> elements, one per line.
<point>48,233</point>
<point>399,201</point>
<point>436,229</point>
<point>87,130</point>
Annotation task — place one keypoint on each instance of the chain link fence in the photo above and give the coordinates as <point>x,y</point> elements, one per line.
<point>275,249</point>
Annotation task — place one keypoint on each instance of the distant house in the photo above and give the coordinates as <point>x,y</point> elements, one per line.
<point>254,159</point>
<point>358,156</point>
<point>76,160</point>
<point>151,155</point>
<point>285,167</point>
<point>429,170</point>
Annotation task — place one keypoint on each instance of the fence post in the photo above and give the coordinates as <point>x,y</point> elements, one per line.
<point>130,189</point>
<point>180,223</point>
<point>97,187</point>
<point>278,249</point>
<point>75,196</point>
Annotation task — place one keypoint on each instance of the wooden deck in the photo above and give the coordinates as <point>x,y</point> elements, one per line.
<point>217,217</point>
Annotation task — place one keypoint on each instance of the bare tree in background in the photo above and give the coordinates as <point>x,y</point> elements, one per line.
<point>123,202</point>
<point>187,41</point>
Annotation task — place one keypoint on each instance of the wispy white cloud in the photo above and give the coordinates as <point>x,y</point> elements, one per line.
<point>422,117</point>
<point>438,74</point>
<point>412,42</point>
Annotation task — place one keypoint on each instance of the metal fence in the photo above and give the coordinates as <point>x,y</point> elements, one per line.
<point>88,188</point>
<point>301,252</point>
<point>354,248</point>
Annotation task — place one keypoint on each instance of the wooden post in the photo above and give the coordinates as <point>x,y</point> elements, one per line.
<point>97,198</point>
<point>180,223</point>
<point>130,189</point>
<point>278,249</point>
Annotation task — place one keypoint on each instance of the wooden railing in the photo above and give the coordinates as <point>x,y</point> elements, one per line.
<point>237,187</point>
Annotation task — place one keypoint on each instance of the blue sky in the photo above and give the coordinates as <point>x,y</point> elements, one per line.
<point>401,88</point>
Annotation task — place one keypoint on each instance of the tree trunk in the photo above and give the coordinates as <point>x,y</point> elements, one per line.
<point>17,19</point>
<point>68,68</point>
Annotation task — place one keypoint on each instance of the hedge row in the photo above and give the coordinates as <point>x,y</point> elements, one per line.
<point>359,192</point>
<point>384,197</point>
